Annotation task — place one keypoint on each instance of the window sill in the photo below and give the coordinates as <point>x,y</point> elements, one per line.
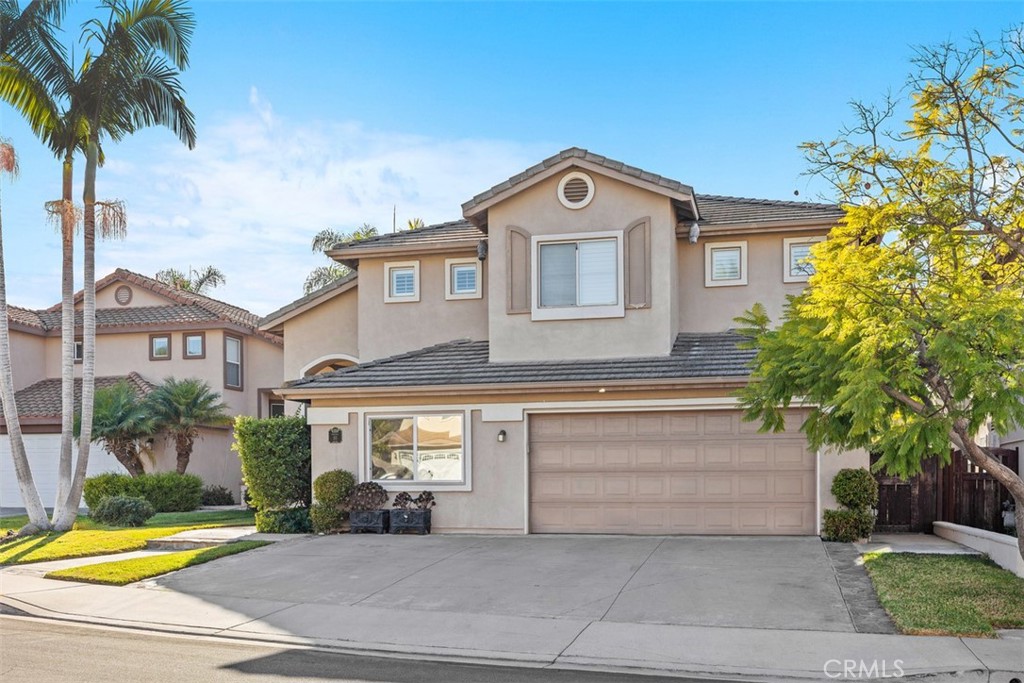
<point>726,283</point>
<point>578,313</point>
<point>402,300</point>
<point>423,485</point>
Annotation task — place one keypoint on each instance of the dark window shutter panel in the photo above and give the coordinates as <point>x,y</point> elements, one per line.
<point>517,267</point>
<point>638,264</point>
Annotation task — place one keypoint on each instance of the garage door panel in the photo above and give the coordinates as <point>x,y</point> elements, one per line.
<point>668,472</point>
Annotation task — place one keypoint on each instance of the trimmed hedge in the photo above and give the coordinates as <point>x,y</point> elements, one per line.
<point>122,511</point>
<point>325,517</point>
<point>847,525</point>
<point>287,521</point>
<point>855,489</point>
<point>333,486</point>
<point>275,455</point>
<point>217,495</point>
<point>165,491</point>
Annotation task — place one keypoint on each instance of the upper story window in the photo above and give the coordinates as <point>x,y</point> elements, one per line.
<point>462,279</point>
<point>194,344</point>
<point>232,362</point>
<point>159,347</point>
<point>578,276</point>
<point>79,350</point>
<point>725,264</point>
<point>402,281</point>
<point>796,258</point>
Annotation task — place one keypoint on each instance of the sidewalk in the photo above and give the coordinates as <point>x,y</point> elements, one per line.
<point>737,653</point>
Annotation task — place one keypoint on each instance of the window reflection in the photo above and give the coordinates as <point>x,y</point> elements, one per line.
<point>421,448</point>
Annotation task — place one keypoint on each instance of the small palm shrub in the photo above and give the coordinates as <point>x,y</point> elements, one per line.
<point>122,511</point>
<point>217,495</point>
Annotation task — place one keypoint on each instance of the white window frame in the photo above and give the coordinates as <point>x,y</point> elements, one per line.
<point>366,456</point>
<point>449,282</point>
<point>397,265</point>
<point>787,245</point>
<point>709,248</point>
<point>617,310</point>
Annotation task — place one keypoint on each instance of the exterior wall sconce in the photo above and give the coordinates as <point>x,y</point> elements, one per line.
<point>334,436</point>
<point>501,436</point>
<point>481,250</point>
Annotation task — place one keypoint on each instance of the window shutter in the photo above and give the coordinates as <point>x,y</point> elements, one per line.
<point>638,264</point>
<point>517,270</point>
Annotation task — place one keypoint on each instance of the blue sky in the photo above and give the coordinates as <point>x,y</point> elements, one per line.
<point>329,114</point>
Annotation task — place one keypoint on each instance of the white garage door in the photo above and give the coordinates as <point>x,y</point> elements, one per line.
<point>43,455</point>
<point>669,473</point>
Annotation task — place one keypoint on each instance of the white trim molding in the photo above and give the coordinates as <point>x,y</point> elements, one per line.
<point>449,282</point>
<point>787,244</point>
<point>327,416</point>
<point>709,249</point>
<point>323,359</point>
<point>401,265</point>
<point>365,457</point>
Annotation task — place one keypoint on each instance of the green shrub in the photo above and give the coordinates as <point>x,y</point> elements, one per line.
<point>109,484</point>
<point>855,489</point>
<point>217,495</point>
<point>325,517</point>
<point>848,525</point>
<point>166,491</point>
<point>332,487</point>
<point>287,521</point>
<point>275,457</point>
<point>122,511</point>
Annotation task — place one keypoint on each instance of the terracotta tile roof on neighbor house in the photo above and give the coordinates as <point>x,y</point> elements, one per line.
<point>464,362</point>
<point>43,398</point>
<point>25,316</point>
<point>136,315</point>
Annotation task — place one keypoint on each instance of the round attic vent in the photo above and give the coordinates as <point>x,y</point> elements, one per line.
<point>123,295</point>
<point>575,190</point>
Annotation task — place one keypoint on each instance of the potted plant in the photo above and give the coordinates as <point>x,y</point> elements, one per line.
<point>412,514</point>
<point>365,506</point>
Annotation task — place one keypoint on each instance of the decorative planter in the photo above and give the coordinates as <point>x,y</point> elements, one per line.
<point>403,521</point>
<point>368,521</point>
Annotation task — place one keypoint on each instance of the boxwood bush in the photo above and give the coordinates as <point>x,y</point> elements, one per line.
<point>847,525</point>
<point>166,491</point>
<point>122,511</point>
<point>329,491</point>
<point>855,489</point>
<point>275,455</point>
<point>286,521</point>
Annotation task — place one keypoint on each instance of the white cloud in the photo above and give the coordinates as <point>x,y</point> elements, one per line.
<point>257,187</point>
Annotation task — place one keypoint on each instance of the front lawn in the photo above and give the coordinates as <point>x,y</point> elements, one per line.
<point>89,538</point>
<point>123,572</point>
<point>958,595</point>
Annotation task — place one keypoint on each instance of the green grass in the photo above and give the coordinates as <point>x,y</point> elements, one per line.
<point>89,538</point>
<point>129,571</point>
<point>957,595</point>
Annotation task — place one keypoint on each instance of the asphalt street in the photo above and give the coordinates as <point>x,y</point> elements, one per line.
<point>39,651</point>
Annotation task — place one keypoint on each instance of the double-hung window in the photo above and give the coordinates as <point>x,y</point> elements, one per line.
<point>578,277</point>
<point>796,258</point>
<point>232,362</point>
<point>725,264</point>
<point>418,448</point>
<point>402,281</point>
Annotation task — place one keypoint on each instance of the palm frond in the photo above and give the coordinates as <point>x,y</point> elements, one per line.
<point>112,220</point>
<point>8,158</point>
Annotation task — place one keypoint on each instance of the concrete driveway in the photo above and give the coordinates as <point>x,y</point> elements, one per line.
<point>772,583</point>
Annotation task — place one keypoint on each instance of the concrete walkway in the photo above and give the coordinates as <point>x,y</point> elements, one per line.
<point>913,543</point>
<point>610,603</point>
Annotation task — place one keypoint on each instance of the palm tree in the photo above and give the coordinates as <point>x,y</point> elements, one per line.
<point>196,281</point>
<point>130,82</point>
<point>324,241</point>
<point>414,224</point>
<point>181,407</point>
<point>122,422</point>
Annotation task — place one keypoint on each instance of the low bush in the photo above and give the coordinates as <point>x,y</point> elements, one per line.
<point>217,495</point>
<point>847,525</point>
<point>855,489</point>
<point>325,517</point>
<point>332,487</point>
<point>287,521</point>
<point>275,455</point>
<point>166,491</point>
<point>122,511</point>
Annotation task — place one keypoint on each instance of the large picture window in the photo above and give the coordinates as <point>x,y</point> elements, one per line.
<point>578,278</point>
<point>417,448</point>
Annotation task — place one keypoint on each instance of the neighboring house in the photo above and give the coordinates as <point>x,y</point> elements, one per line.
<point>561,360</point>
<point>146,331</point>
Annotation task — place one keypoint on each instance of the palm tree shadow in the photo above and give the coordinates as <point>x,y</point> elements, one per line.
<point>29,545</point>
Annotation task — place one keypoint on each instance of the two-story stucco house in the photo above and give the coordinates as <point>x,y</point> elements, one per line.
<point>560,361</point>
<point>146,331</point>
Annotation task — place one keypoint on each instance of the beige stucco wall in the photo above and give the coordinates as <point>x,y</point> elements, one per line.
<point>712,309</point>
<point>212,460</point>
<point>28,358</point>
<point>386,329</point>
<point>615,206</point>
<point>329,329</point>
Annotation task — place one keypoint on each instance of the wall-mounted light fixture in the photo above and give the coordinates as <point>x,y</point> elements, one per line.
<point>334,436</point>
<point>481,250</point>
<point>501,436</point>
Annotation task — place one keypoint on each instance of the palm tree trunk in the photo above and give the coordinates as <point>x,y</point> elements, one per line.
<point>64,518</point>
<point>29,495</point>
<point>67,365</point>
<point>128,456</point>
<point>183,447</point>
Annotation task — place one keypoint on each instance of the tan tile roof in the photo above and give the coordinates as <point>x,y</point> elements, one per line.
<point>43,398</point>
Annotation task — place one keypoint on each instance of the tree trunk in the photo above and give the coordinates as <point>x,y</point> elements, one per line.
<point>67,307</point>
<point>128,456</point>
<point>64,518</point>
<point>37,520</point>
<point>1000,472</point>
<point>183,447</point>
